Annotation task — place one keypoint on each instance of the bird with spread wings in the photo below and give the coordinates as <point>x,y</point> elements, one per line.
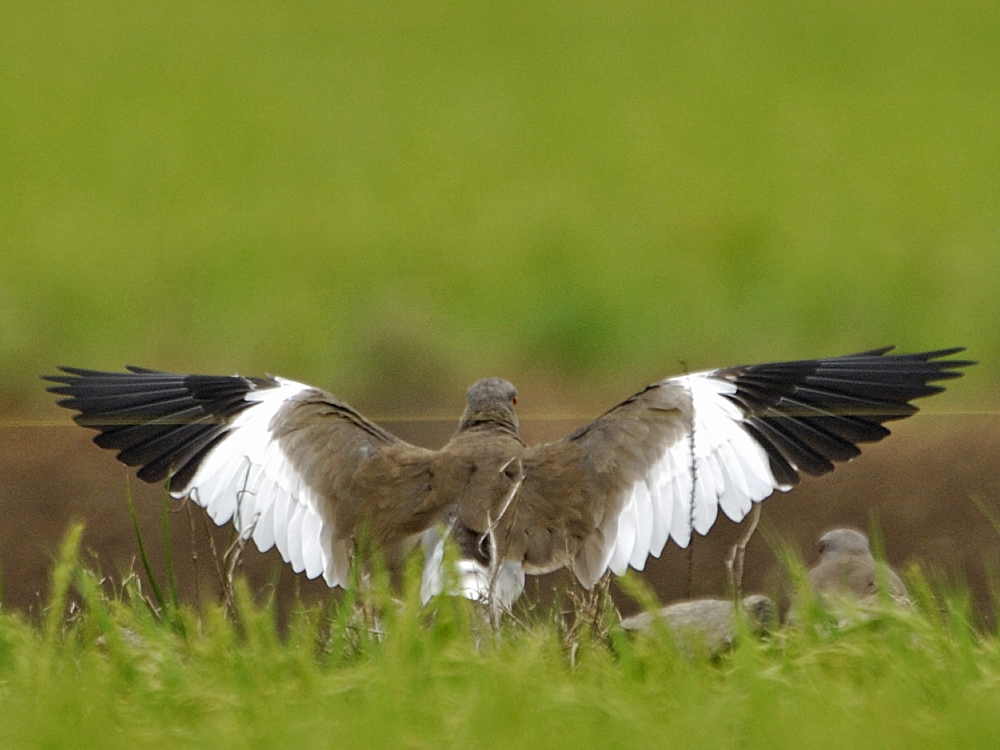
<point>296,468</point>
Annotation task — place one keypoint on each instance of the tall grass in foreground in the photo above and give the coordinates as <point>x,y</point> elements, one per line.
<point>105,669</point>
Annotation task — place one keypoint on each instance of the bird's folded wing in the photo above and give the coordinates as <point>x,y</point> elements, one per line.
<point>290,465</point>
<point>663,462</point>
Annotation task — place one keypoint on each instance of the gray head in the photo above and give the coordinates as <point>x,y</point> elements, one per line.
<point>840,541</point>
<point>491,400</point>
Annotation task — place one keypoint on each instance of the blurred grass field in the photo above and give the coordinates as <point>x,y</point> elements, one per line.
<point>392,199</point>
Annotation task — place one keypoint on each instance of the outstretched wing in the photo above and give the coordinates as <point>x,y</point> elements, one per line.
<point>663,462</point>
<point>290,465</point>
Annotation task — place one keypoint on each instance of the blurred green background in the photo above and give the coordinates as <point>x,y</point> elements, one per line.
<point>390,200</point>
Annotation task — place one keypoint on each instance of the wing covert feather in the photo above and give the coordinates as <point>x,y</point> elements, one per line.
<point>662,463</point>
<point>290,465</point>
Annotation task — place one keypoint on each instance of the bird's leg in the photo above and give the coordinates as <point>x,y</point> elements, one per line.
<point>734,563</point>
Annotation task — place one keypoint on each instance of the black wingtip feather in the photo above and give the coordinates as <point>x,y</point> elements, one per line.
<point>159,421</point>
<point>802,412</point>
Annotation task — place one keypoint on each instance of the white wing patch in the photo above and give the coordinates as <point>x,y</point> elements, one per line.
<point>718,466</point>
<point>248,479</point>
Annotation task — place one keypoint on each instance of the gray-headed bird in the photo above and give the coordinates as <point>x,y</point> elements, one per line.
<point>296,468</point>
<point>846,568</point>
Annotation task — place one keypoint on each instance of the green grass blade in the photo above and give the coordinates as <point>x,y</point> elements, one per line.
<point>161,603</point>
<point>62,576</point>
<point>168,558</point>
